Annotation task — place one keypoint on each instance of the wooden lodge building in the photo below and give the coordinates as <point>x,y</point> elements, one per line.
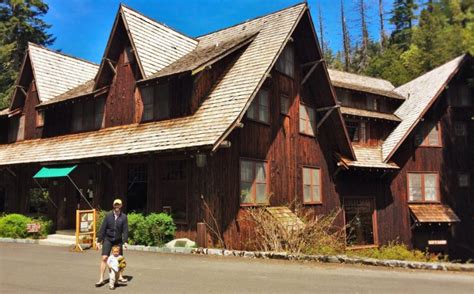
<point>205,127</point>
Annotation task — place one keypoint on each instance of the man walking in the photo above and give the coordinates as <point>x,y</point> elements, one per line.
<point>112,232</point>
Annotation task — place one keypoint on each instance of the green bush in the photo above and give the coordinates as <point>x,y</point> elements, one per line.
<point>394,250</point>
<point>134,225</point>
<point>100,214</point>
<point>14,226</point>
<point>161,228</point>
<point>46,227</point>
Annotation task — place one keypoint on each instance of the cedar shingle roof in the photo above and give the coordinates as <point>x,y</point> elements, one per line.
<point>362,83</point>
<point>204,55</point>
<point>369,113</point>
<point>433,213</point>
<point>369,157</point>
<point>156,44</point>
<point>421,94</point>
<point>222,109</point>
<point>81,90</point>
<point>56,73</point>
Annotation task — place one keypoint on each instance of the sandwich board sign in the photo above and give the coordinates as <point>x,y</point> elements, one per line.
<point>85,229</point>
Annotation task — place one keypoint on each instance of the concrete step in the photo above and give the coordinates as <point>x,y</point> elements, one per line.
<point>61,237</point>
<point>50,242</point>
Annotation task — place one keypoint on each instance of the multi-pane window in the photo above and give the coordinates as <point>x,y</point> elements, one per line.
<point>16,130</point>
<point>307,120</point>
<point>371,103</point>
<point>461,96</point>
<point>259,110</point>
<point>156,102</point>
<point>460,129</point>
<point>253,182</point>
<point>357,131</point>
<point>284,104</point>
<point>423,187</point>
<point>88,115</point>
<point>359,215</point>
<point>286,62</point>
<point>39,118</point>
<point>428,134</point>
<point>311,185</point>
<point>464,180</point>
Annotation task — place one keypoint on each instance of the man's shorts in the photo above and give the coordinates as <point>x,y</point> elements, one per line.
<point>107,246</point>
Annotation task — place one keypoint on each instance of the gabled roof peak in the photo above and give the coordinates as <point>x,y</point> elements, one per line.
<point>30,44</point>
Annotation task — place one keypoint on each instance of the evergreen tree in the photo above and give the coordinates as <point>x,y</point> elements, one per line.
<point>403,15</point>
<point>20,23</point>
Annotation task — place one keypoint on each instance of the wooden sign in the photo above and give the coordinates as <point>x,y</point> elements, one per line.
<point>33,228</point>
<point>85,229</point>
<point>437,242</point>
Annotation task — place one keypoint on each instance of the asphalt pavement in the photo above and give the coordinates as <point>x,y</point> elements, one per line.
<point>31,268</point>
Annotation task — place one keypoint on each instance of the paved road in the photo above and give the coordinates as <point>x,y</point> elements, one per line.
<point>42,269</point>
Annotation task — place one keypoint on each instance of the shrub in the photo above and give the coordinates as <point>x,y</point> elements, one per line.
<point>14,226</point>
<point>46,227</point>
<point>100,214</point>
<point>394,250</point>
<point>135,221</point>
<point>161,228</point>
<point>308,234</point>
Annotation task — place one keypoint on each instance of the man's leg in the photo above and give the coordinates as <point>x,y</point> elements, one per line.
<point>106,247</point>
<point>103,266</point>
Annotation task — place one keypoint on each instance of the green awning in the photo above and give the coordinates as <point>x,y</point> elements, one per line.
<point>54,172</point>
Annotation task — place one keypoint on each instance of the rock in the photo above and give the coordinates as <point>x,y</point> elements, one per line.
<point>181,243</point>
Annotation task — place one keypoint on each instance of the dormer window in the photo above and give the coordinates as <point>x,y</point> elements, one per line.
<point>156,102</point>
<point>16,130</point>
<point>39,118</point>
<point>286,62</point>
<point>88,115</point>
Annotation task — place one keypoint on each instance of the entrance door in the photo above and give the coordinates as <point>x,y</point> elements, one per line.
<point>137,187</point>
<point>359,216</point>
<point>174,189</point>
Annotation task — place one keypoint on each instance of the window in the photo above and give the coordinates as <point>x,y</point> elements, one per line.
<point>88,115</point>
<point>128,56</point>
<point>155,102</point>
<point>38,201</point>
<point>423,187</point>
<point>461,96</point>
<point>371,103</point>
<point>259,110</point>
<point>357,131</point>
<point>284,104</point>
<point>428,134</point>
<point>286,62</point>
<point>359,215</point>
<point>39,118</point>
<point>464,180</point>
<point>307,120</point>
<point>311,185</point>
<point>137,187</point>
<point>460,129</point>
<point>253,182</point>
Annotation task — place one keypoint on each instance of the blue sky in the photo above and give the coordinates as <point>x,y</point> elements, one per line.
<point>82,27</point>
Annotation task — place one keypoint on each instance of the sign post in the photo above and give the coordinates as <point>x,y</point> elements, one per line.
<point>85,229</point>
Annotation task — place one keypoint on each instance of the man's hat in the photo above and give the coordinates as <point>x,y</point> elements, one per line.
<point>118,201</point>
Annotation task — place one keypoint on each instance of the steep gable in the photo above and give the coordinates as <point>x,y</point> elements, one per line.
<point>56,73</point>
<point>421,93</point>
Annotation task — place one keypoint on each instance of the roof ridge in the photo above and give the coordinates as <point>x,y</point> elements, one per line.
<point>360,75</point>
<point>156,21</point>
<point>252,19</point>
<point>462,56</point>
<point>61,53</point>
